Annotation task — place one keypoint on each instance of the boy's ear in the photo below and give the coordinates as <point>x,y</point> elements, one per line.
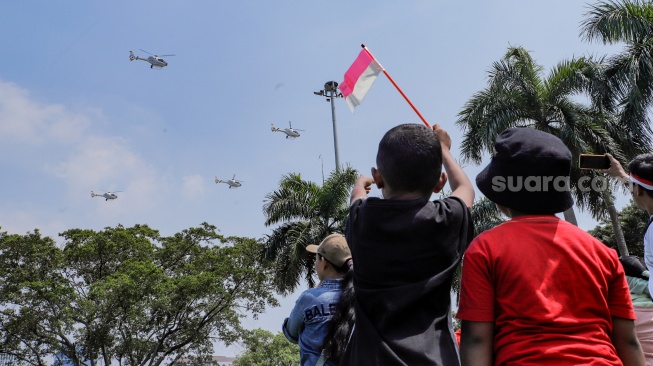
<point>378,178</point>
<point>441,182</point>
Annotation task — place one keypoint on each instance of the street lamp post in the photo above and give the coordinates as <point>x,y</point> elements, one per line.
<point>330,91</point>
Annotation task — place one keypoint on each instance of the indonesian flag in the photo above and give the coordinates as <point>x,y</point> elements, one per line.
<point>359,79</point>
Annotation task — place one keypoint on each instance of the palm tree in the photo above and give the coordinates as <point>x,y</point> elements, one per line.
<point>630,73</point>
<point>518,95</point>
<point>307,214</point>
<point>485,216</point>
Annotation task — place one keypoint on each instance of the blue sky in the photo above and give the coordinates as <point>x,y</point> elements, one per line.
<point>76,115</point>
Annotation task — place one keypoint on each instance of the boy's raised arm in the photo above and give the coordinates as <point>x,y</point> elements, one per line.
<point>461,186</point>
<point>361,188</point>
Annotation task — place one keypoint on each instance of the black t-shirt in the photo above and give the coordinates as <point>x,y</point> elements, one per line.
<point>405,253</point>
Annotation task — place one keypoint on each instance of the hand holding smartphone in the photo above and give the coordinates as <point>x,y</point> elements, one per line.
<point>593,162</point>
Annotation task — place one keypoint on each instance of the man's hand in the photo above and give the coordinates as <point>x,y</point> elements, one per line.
<point>615,169</point>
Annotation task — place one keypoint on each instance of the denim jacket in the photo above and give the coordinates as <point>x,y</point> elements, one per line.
<point>307,324</point>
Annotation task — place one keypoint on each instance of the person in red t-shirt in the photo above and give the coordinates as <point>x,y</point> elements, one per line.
<point>537,290</point>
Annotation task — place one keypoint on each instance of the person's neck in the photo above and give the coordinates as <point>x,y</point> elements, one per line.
<point>515,214</point>
<point>333,276</point>
<point>645,202</point>
<point>529,214</point>
<point>389,194</point>
<point>649,208</point>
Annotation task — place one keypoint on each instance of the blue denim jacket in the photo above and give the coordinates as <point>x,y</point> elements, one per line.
<point>308,320</point>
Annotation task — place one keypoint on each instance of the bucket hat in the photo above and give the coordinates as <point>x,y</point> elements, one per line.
<point>529,172</point>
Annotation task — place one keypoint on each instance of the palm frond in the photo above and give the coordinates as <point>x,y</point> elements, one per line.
<point>612,22</point>
<point>485,215</point>
<point>307,214</point>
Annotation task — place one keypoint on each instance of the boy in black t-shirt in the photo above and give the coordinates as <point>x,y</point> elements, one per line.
<point>406,249</point>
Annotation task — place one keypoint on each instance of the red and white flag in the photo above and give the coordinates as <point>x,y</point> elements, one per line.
<point>359,79</point>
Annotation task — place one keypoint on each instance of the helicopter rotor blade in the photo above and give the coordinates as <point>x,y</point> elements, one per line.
<point>165,55</point>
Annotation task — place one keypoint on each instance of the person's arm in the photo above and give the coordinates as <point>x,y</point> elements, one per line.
<point>461,186</point>
<point>476,343</point>
<point>294,324</point>
<point>361,188</point>
<point>615,169</point>
<point>626,343</point>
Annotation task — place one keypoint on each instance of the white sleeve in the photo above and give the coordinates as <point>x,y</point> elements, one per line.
<point>648,254</point>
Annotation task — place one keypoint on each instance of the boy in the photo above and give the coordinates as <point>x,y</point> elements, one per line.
<point>537,290</point>
<point>308,321</point>
<point>406,249</point>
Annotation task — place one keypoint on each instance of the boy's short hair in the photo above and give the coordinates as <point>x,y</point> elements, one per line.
<point>410,158</point>
<point>642,166</point>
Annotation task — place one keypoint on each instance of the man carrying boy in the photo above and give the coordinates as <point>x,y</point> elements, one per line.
<point>537,290</point>
<point>406,249</point>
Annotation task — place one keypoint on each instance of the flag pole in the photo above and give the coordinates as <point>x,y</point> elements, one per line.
<point>398,88</point>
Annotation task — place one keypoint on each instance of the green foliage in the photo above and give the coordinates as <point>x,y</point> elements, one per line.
<point>630,72</point>
<point>518,94</point>
<point>634,222</point>
<point>262,348</point>
<point>485,216</point>
<point>307,213</point>
<point>127,295</point>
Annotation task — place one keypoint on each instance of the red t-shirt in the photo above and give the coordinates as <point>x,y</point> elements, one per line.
<point>550,289</point>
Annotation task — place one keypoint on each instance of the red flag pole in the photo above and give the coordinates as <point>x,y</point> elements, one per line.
<point>398,88</point>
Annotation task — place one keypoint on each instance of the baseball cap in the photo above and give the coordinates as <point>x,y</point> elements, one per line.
<point>334,248</point>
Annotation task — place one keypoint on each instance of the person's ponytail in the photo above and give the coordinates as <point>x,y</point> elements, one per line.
<point>342,321</point>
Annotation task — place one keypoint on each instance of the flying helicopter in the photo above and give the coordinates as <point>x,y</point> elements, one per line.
<point>107,195</point>
<point>290,132</point>
<point>233,182</point>
<point>156,62</point>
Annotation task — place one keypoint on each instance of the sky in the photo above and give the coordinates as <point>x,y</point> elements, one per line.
<point>77,116</point>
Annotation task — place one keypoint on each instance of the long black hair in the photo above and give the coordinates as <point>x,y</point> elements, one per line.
<point>343,319</point>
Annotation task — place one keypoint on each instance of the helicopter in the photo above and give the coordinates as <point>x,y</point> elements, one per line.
<point>156,62</point>
<point>290,132</point>
<point>233,182</point>
<point>107,195</point>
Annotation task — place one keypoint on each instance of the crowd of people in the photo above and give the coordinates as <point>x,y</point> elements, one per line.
<point>535,290</point>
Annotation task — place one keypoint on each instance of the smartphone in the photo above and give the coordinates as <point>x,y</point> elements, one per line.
<point>593,162</point>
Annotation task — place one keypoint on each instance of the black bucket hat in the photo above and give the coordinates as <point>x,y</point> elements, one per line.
<point>529,172</point>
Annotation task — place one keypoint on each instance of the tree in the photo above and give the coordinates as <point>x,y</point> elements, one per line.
<point>630,73</point>
<point>634,222</point>
<point>485,216</point>
<point>518,95</point>
<point>127,295</point>
<point>262,348</point>
<point>307,213</point>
